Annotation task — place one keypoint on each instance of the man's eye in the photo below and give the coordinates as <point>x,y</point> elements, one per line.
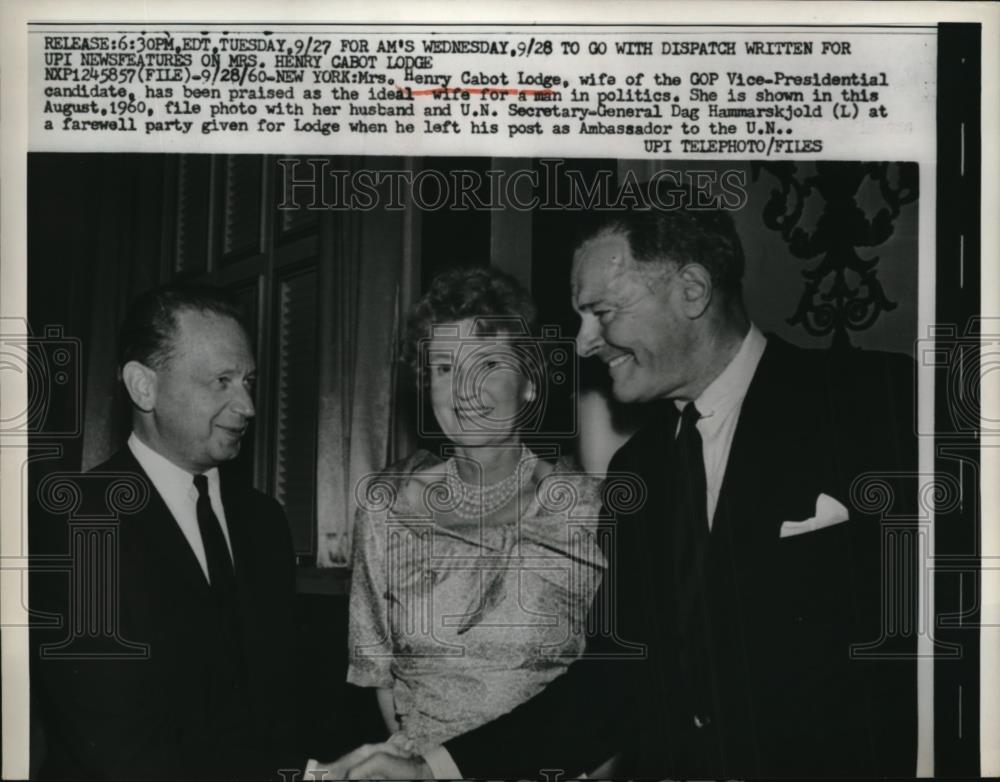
<point>224,381</point>
<point>249,384</point>
<point>441,369</point>
<point>603,315</point>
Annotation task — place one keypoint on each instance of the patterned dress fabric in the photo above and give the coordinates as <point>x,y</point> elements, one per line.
<point>465,622</point>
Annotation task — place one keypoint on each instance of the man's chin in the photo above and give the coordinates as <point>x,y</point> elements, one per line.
<point>624,392</point>
<point>225,452</point>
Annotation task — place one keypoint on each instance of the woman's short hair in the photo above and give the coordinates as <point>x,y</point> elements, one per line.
<point>496,301</point>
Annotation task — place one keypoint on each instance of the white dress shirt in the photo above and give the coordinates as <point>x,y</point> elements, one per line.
<point>720,406</point>
<point>176,487</point>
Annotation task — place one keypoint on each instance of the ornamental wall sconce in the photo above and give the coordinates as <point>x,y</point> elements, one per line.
<point>842,290</point>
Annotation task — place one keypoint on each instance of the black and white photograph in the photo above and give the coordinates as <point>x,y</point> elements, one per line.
<point>433,386</point>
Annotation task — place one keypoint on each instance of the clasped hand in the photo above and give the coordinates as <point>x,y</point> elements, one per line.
<point>375,761</point>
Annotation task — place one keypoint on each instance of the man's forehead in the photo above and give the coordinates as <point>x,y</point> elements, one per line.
<point>194,325</point>
<point>598,265</point>
<point>191,319</point>
<point>208,336</point>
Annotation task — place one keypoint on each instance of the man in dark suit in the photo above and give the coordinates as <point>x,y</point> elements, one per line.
<point>746,636</point>
<point>194,679</point>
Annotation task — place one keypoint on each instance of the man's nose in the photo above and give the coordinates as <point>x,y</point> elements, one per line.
<point>588,338</point>
<point>243,403</point>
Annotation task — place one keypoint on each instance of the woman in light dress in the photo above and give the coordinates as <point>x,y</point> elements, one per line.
<point>474,568</point>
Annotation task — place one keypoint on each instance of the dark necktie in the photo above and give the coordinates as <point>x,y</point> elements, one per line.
<point>691,539</point>
<point>220,566</point>
<point>690,488</point>
<point>229,682</point>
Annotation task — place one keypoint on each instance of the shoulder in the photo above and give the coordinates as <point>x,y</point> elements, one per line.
<point>402,482</point>
<point>864,398</point>
<point>873,370</point>
<point>118,485</point>
<point>265,504</point>
<point>865,384</point>
<point>421,467</point>
<point>647,445</point>
<point>119,460</point>
<point>841,368</point>
<point>566,475</point>
<point>563,495</point>
<point>121,464</point>
<point>258,513</point>
<point>416,462</point>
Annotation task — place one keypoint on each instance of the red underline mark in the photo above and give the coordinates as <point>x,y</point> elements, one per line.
<point>474,90</point>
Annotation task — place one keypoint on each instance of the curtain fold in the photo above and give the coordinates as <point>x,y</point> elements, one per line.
<point>368,283</point>
<point>125,263</point>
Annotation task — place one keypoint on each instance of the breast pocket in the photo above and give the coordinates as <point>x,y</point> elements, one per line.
<point>818,571</point>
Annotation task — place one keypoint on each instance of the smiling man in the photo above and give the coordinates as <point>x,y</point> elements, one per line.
<point>193,401</point>
<point>751,577</point>
<point>663,330</point>
<point>206,575</point>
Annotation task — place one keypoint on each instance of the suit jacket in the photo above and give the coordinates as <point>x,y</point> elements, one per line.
<point>181,709</point>
<point>788,697</point>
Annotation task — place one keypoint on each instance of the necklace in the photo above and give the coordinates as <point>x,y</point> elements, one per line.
<point>475,501</point>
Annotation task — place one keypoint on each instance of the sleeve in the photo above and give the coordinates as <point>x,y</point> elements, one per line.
<point>370,650</point>
<point>441,764</point>
<point>109,729</point>
<point>284,723</point>
<point>884,561</point>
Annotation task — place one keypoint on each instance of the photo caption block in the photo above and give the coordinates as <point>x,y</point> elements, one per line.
<point>653,91</point>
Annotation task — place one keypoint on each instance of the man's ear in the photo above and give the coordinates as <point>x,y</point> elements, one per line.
<point>140,382</point>
<point>696,288</point>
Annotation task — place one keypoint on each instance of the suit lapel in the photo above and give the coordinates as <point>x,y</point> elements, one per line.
<point>772,424</point>
<point>234,501</point>
<point>654,464</point>
<point>660,454</point>
<point>155,523</point>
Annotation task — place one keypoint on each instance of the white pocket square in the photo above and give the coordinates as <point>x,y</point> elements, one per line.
<point>828,513</point>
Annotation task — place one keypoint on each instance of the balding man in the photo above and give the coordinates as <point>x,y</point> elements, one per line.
<point>205,578</point>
